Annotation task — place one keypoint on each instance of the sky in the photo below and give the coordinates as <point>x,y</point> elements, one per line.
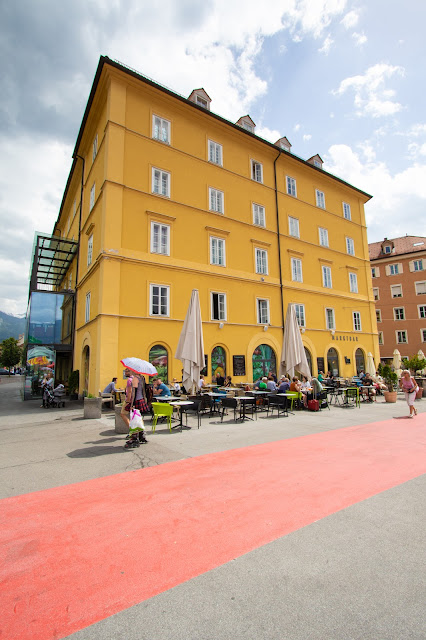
<point>342,78</point>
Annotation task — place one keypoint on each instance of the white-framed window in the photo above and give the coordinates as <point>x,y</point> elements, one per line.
<point>215,153</point>
<point>95,147</point>
<point>420,288</point>
<point>159,302</point>
<point>90,250</point>
<point>262,311</point>
<point>202,102</point>
<point>323,236</point>
<point>300,314</point>
<point>378,315</point>
<point>296,270</point>
<point>346,211</point>
<point>350,247</point>
<point>246,125</point>
<point>160,238</point>
<point>356,316</point>
<point>387,249</point>
<point>329,318</point>
<point>375,272</point>
<point>92,196</point>
<point>376,293</point>
<point>394,269</point>
<point>68,226</point>
<point>326,278</point>
<point>217,251</point>
<point>160,182</point>
<point>399,313</point>
<point>218,306</point>
<point>401,337</point>
<point>160,129</point>
<point>87,308</point>
<point>216,200</point>
<point>396,290</point>
<point>422,310</point>
<point>256,171</point>
<point>423,335</point>
<point>353,282</point>
<point>293,227</point>
<point>381,338</point>
<point>417,265</point>
<point>261,261</point>
<point>70,281</point>
<point>320,198</point>
<point>291,186</point>
<point>259,215</point>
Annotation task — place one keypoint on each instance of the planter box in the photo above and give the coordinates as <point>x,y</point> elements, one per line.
<point>92,408</point>
<point>390,396</point>
<point>419,393</point>
<point>120,425</point>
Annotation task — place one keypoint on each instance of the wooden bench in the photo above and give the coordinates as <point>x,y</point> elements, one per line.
<point>107,397</point>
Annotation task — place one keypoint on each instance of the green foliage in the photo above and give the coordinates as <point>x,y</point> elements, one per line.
<point>90,395</point>
<point>73,381</point>
<point>414,363</point>
<point>10,353</point>
<point>389,377</point>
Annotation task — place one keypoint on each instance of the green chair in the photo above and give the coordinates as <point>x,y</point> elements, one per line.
<point>162,409</point>
<point>352,394</point>
<point>294,396</point>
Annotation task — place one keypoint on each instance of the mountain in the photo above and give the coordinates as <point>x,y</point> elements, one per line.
<point>10,326</point>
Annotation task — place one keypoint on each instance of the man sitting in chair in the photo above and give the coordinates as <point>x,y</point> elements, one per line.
<point>371,391</point>
<point>110,388</point>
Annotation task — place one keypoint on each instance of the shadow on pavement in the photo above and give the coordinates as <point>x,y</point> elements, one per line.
<point>91,452</point>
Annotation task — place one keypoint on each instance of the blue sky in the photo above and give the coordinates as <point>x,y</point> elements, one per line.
<point>342,78</point>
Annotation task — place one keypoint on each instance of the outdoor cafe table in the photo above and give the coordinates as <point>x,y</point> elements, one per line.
<point>242,400</point>
<point>180,403</point>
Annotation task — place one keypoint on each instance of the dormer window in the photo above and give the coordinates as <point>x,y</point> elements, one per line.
<point>284,144</point>
<point>387,249</point>
<point>316,161</point>
<point>201,98</point>
<point>246,123</point>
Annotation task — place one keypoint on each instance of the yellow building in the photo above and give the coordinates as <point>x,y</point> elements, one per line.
<point>165,196</point>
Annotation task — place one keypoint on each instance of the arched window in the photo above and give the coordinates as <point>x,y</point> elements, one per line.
<point>218,362</point>
<point>159,358</point>
<point>309,359</point>
<point>86,367</point>
<point>333,362</point>
<point>264,361</point>
<point>359,360</point>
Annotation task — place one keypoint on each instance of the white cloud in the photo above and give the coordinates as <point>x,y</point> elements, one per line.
<point>326,45</point>
<point>271,135</point>
<point>307,137</point>
<point>360,38</point>
<point>370,96</point>
<point>399,199</point>
<point>350,19</point>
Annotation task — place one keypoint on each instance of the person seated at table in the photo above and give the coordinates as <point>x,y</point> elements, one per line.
<point>160,388</point>
<point>306,389</point>
<point>201,383</point>
<point>284,385</point>
<point>321,376</point>
<point>220,380</point>
<point>370,391</point>
<point>256,384</point>
<point>379,382</point>
<point>361,374</point>
<point>111,388</point>
<point>228,381</point>
<point>295,385</point>
<point>316,387</point>
<point>262,384</point>
<point>176,387</point>
<point>271,384</point>
<point>272,375</point>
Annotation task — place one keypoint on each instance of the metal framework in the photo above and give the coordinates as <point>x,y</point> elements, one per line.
<point>52,257</point>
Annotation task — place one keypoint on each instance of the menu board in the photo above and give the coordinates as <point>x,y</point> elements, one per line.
<point>320,363</point>
<point>239,365</point>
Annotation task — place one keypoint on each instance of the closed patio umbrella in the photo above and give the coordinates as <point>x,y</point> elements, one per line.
<point>190,349</point>
<point>370,365</point>
<point>396,361</point>
<point>293,356</point>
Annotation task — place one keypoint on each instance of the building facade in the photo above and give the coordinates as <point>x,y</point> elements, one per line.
<point>165,196</point>
<point>398,269</point>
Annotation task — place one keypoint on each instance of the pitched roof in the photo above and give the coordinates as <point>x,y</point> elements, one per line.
<point>406,244</point>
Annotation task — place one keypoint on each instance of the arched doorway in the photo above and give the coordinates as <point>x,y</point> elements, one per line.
<point>359,360</point>
<point>309,359</point>
<point>333,362</point>
<point>158,356</point>
<point>218,362</point>
<point>264,361</point>
<point>86,367</point>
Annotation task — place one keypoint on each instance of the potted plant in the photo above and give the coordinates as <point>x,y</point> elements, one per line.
<point>73,382</point>
<point>92,407</point>
<point>390,379</point>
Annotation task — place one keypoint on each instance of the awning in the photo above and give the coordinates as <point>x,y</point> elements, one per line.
<point>52,257</point>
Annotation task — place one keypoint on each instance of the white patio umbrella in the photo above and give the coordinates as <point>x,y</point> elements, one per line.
<point>190,349</point>
<point>293,355</point>
<point>421,355</point>
<point>396,362</point>
<point>139,366</point>
<point>371,369</point>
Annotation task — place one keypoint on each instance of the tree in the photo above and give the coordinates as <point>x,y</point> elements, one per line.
<point>10,353</point>
<point>414,363</point>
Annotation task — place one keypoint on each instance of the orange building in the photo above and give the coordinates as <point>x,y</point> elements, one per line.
<point>398,270</point>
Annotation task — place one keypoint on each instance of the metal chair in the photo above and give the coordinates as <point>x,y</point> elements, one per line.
<point>278,403</point>
<point>352,394</point>
<point>197,408</point>
<point>162,409</point>
<point>322,398</point>
<point>229,403</point>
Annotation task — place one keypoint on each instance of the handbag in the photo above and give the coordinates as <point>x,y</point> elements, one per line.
<point>136,422</point>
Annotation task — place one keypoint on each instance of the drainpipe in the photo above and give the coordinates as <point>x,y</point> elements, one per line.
<point>278,237</point>
<point>78,246</point>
